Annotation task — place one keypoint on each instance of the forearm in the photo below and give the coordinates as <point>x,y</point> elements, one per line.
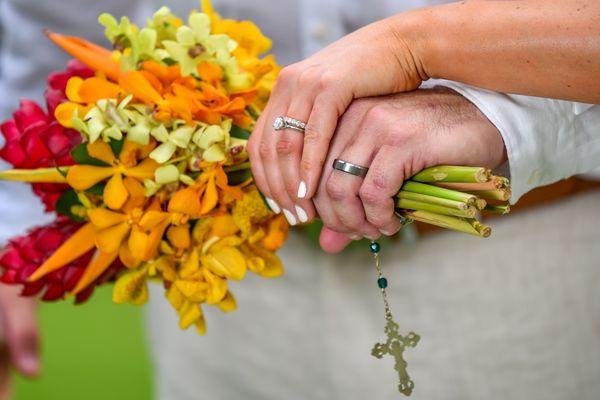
<point>547,48</point>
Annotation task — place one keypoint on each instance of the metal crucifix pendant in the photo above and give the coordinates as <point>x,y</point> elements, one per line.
<point>395,346</point>
<point>395,343</point>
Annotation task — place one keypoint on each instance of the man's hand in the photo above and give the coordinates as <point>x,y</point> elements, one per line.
<point>396,137</point>
<point>19,337</point>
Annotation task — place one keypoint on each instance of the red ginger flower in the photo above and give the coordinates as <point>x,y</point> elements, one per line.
<point>24,255</point>
<point>35,139</point>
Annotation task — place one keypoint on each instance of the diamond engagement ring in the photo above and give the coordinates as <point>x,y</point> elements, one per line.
<point>282,123</point>
<point>350,168</point>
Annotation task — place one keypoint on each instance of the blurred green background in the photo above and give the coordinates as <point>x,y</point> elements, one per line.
<point>93,351</point>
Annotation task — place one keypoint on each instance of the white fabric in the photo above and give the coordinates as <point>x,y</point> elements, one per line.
<point>514,316</point>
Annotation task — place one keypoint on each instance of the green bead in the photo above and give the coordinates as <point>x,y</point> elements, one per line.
<point>374,247</point>
<point>382,283</point>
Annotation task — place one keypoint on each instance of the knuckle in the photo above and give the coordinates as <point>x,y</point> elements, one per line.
<point>375,115</point>
<point>370,194</point>
<point>379,219</point>
<point>307,78</point>
<point>264,150</point>
<point>285,147</point>
<point>327,81</point>
<point>336,190</point>
<point>308,165</point>
<point>311,134</point>
<point>287,75</point>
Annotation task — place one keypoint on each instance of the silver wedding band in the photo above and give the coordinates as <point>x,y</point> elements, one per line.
<point>284,122</point>
<point>350,168</point>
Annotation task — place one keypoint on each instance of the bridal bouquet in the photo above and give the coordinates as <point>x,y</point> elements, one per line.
<point>142,156</point>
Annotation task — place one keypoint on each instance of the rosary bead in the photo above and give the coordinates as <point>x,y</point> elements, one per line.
<point>375,247</point>
<point>382,283</point>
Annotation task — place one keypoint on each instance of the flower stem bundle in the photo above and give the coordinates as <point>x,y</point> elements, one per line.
<point>454,197</point>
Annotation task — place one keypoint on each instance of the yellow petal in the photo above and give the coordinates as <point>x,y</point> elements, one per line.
<point>228,303</point>
<point>83,177</point>
<point>195,291</point>
<point>227,262</point>
<point>273,267</point>
<point>131,287</point>
<point>115,192</point>
<point>189,313</point>
<point>191,265</point>
<point>201,326</point>
<point>152,219</point>
<point>101,151</point>
<point>103,218</point>
<point>217,287</point>
<point>166,268</point>
<point>137,193</point>
<point>109,240</point>
<point>175,297</point>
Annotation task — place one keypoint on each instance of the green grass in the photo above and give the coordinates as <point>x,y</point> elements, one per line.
<point>93,351</point>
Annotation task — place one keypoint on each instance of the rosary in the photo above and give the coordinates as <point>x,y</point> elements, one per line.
<point>395,343</point>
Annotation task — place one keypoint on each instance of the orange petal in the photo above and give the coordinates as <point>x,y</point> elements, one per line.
<point>133,151</point>
<point>135,83</point>
<point>72,90</point>
<point>210,198</point>
<point>138,241</point>
<point>224,226</point>
<point>154,239</point>
<point>96,57</point>
<point>94,89</point>
<point>210,72</point>
<point>151,219</point>
<point>137,195</point>
<point>115,192</point>
<point>276,233</point>
<point>145,170</point>
<point>103,218</point>
<point>101,151</point>
<point>64,113</point>
<point>77,245</point>
<point>179,236</point>
<point>83,177</point>
<point>100,263</point>
<point>185,201</point>
<point>127,257</point>
<point>109,240</point>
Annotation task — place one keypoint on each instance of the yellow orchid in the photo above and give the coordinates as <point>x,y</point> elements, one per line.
<point>83,177</point>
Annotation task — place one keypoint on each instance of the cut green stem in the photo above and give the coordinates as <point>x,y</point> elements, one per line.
<point>432,200</point>
<point>449,173</point>
<point>420,206</point>
<point>443,221</point>
<point>430,190</point>
<point>497,209</point>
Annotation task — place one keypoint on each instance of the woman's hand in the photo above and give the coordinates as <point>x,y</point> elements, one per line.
<point>287,164</point>
<point>396,137</point>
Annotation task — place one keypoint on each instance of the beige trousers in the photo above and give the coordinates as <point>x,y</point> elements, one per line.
<point>516,316</point>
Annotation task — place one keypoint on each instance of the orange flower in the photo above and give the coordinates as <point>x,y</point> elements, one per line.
<point>83,177</point>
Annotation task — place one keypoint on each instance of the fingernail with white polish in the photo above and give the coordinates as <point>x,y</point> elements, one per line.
<point>302,215</point>
<point>355,237</point>
<point>290,217</point>
<point>273,206</point>
<point>302,190</point>
<point>387,233</point>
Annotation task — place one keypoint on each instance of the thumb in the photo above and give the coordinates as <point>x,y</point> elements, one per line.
<point>19,316</point>
<point>333,242</point>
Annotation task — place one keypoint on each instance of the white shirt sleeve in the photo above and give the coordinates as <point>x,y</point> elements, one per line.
<point>546,139</point>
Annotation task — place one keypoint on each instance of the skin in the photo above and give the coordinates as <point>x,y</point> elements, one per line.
<point>397,136</point>
<point>19,334</point>
<point>548,48</point>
